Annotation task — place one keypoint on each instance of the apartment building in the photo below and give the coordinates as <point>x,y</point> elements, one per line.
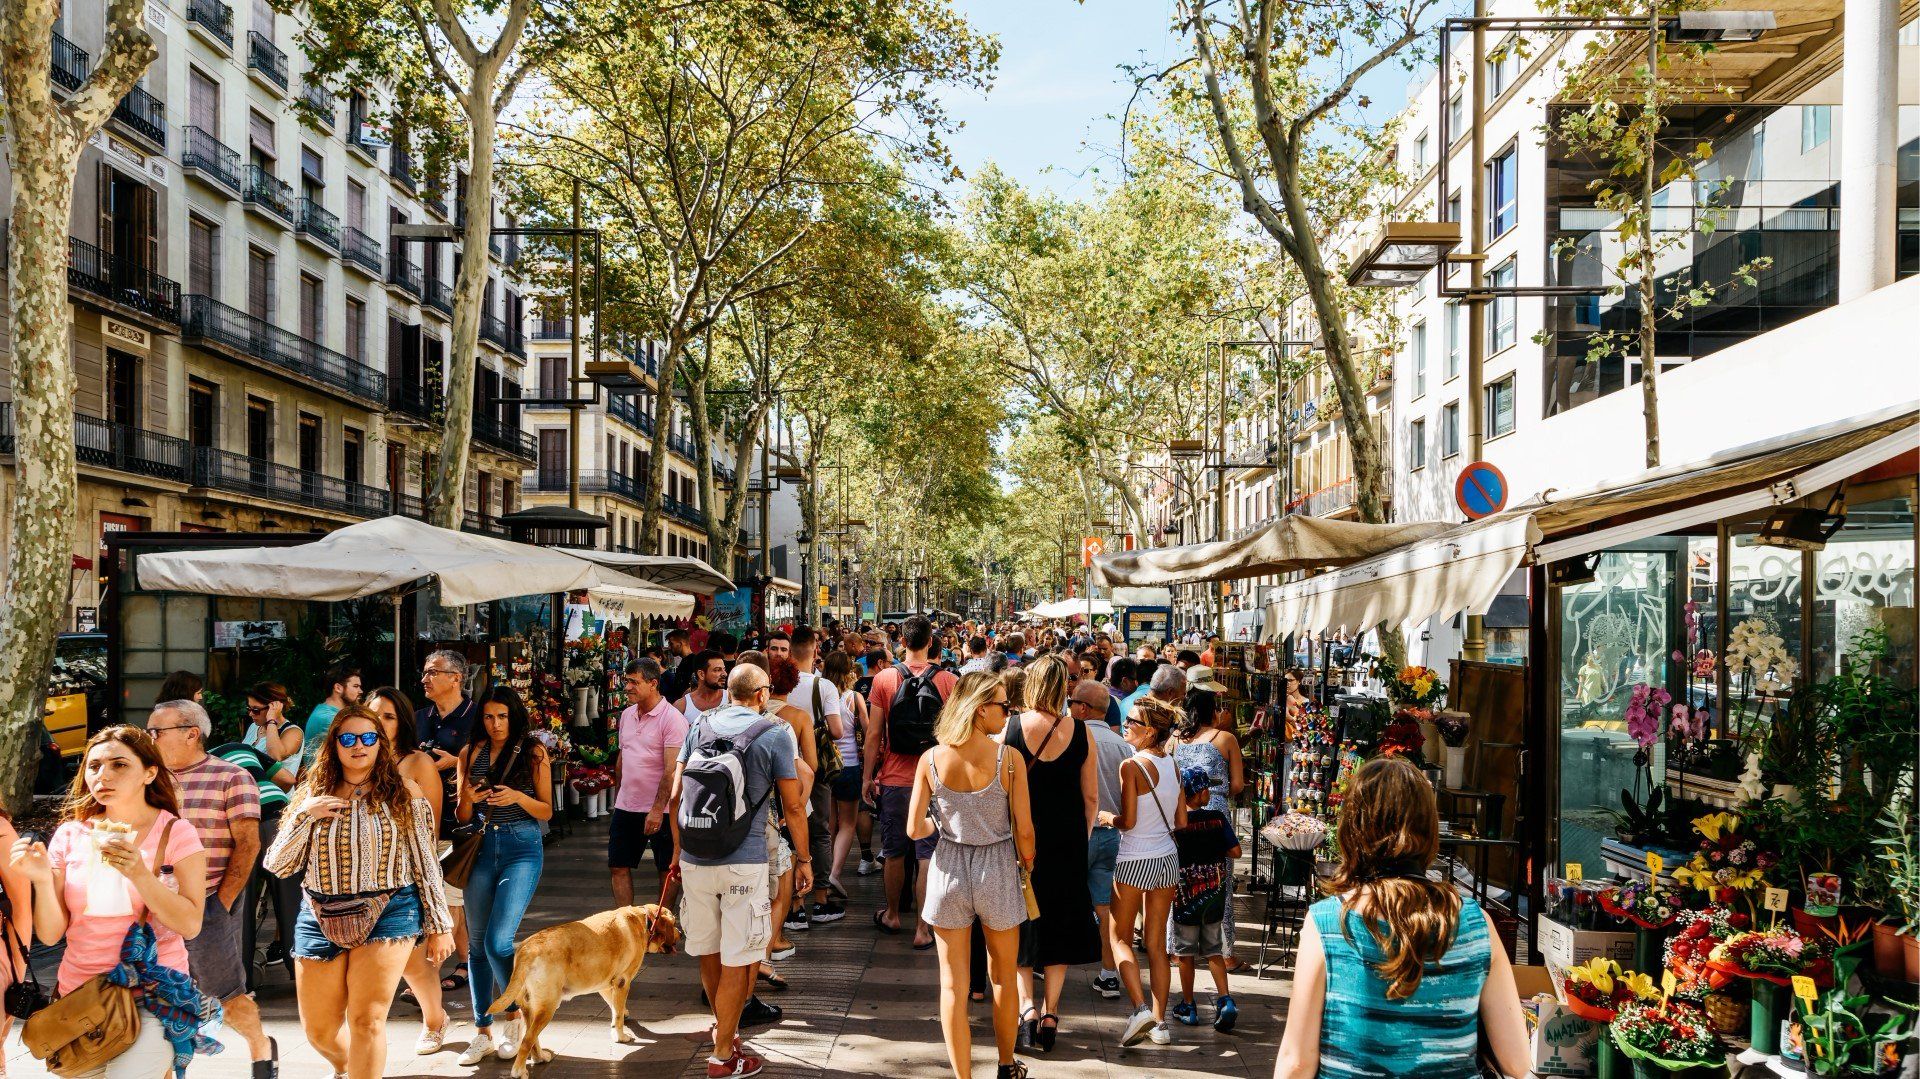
<point>253,350</point>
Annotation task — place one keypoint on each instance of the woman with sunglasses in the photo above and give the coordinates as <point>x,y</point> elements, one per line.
<point>1147,870</point>
<point>269,730</point>
<point>358,827</point>
<point>395,713</point>
<point>507,779</point>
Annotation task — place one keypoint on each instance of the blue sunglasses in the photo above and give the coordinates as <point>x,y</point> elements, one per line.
<point>365,738</point>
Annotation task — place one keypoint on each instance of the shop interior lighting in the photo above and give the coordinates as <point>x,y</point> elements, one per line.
<point>1579,569</point>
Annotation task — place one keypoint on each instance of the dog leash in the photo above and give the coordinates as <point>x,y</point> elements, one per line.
<point>666,882</point>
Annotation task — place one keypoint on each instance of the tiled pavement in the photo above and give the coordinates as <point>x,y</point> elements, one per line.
<point>861,1004</point>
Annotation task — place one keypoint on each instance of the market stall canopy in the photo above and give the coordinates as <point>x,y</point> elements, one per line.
<point>1463,567</point>
<point>677,572</point>
<point>1070,608</point>
<point>394,552</point>
<point>783,585</point>
<point>1295,542</point>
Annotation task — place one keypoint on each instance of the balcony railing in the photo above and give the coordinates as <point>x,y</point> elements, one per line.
<point>360,250</point>
<point>436,201</point>
<point>613,483</point>
<point>144,115</point>
<point>208,320</point>
<point>684,513</point>
<point>70,64</point>
<point>225,471</point>
<point>626,408</point>
<point>268,192</point>
<point>216,161</point>
<point>501,436</point>
<point>266,58</point>
<point>404,275</point>
<point>1330,499</point>
<point>410,399</point>
<point>315,221</point>
<point>682,446</point>
<point>440,296</point>
<point>493,329</point>
<point>118,446</point>
<point>400,167</point>
<point>214,17</point>
<point>320,103</point>
<point>553,329</point>
<point>122,281</point>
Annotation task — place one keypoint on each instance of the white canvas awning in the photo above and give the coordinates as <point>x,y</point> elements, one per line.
<point>394,552</point>
<point>677,572</point>
<point>1461,570</point>
<point>1072,608</point>
<point>1295,542</point>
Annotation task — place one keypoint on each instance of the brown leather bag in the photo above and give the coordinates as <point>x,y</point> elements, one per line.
<point>456,866</point>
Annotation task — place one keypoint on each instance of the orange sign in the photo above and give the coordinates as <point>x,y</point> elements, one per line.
<point>1091,548</point>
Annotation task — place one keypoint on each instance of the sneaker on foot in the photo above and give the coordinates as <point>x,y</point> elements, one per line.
<point>796,919</point>
<point>836,892</point>
<point>827,913</point>
<point>1187,1013</point>
<point>1107,985</point>
<point>737,1066</point>
<point>1160,1035</point>
<point>1139,1025</point>
<point>479,1048</point>
<point>867,867</point>
<point>506,1037</point>
<point>1225,1012</point>
<point>430,1040</point>
<point>758,1013</point>
<point>781,955</point>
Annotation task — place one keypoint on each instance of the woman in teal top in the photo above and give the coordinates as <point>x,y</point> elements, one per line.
<point>1397,974</point>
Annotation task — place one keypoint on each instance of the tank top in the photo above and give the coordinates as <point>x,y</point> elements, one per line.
<point>1153,813</point>
<point>483,771</point>
<point>693,711</point>
<point>1362,1033</point>
<point>978,818</point>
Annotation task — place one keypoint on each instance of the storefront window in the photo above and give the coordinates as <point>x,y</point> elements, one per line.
<point>1762,645</point>
<point>1862,581</point>
<point>1698,654</point>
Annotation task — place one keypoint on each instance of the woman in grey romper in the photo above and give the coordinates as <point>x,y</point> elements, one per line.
<point>974,793</point>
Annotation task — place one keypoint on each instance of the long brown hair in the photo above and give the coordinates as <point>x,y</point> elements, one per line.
<point>161,793</point>
<point>385,786</point>
<point>1389,834</point>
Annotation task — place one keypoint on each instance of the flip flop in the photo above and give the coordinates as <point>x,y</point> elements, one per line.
<point>774,981</point>
<point>925,946</point>
<point>890,930</point>
<point>454,982</point>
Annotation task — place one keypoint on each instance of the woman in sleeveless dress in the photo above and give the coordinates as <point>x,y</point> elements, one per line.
<point>1064,791</point>
<point>977,792</point>
<point>1146,871</point>
<point>1397,974</point>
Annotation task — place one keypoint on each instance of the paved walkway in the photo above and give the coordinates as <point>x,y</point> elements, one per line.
<point>861,1004</point>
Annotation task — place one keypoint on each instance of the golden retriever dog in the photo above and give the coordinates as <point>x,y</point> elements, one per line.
<point>600,954</point>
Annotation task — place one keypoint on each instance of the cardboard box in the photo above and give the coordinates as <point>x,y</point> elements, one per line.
<point>1565,947</point>
<point>1564,1043</point>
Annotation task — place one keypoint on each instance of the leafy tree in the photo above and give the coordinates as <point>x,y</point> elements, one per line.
<point>44,136</point>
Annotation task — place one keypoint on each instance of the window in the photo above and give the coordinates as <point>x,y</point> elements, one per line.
<point>357,329</point>
<point>123,388</point>
<point>1417,356</point>
<point>396,468</point>
<point>356,206</point>
<point>1450,430</point>
<point>1420,151</point>
<point>203,102</point>
<point>1457,114</point>
<point>259,429</point>
<point>1500,331</point>
<point>1499,408</point>
<point>312,317</point>
<point>263,18</point>
<point>1503,64</point>
<point>1456,339</point>
<point>353,455</point>
<point>1417,445</point>
<point>1503,188</point>
<point>1453,207</point>
<point>260,284</point>
<point>1816,126</point>
<point>203,410</point>
<point>260,142</point>
<point>203,256</point>
<point>313,174</point>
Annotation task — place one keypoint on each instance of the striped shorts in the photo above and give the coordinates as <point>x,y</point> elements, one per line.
<point>1147,874</point>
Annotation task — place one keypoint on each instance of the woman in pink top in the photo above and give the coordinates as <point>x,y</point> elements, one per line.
<point>123,781</point>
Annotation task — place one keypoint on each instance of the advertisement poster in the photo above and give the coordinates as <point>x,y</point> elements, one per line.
<point>867,610</point>
<point>1146,623</point>
<point>732,612</point>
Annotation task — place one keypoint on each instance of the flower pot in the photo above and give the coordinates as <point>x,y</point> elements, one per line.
<point>1456,767</point>
<point>1911,953</point>
<point>1727,1013</point>
<point>1889,952</point>
<point>1763,1031</point>
<point>1810,925</point>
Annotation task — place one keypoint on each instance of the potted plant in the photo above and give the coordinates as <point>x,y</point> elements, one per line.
<point>1668,1038</point>
<point>1452,728</point>
<point>1770,958</point>
<point>1896,935</point>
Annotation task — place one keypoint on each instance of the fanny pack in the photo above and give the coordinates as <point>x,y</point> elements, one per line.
<point>348,920</point>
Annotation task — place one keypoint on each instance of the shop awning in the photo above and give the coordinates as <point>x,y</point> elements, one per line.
<point>1462,569</point>
<point>1295,542</point>
<point>392,553</point>
<point>1071,608</point>
<point>783,585</point>
<point>677,572</point>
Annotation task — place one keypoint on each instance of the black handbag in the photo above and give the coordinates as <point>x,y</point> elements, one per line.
<point>25,995</point>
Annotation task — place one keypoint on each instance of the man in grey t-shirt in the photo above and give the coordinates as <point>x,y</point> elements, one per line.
<point>1103,845</point>
<point>726,912</point>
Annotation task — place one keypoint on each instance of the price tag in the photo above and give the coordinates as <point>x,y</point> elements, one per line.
<point>1655,863</point>
<point>1668,983</point>
<point>1803,988</point>
<point>1573,871</point>
<point>1775,900</point>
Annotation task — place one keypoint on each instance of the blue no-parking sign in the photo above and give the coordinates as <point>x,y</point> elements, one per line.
<point>1480,491</point>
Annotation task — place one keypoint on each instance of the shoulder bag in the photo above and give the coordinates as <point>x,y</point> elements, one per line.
<point>456,866</point>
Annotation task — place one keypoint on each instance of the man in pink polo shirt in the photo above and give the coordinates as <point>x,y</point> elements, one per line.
<point>651,733</point>
<point>889,779</point>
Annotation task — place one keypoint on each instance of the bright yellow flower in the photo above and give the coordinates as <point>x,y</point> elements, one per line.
<point>1713,824</point>
<point>1640,985</point>
<point>1597,972</point>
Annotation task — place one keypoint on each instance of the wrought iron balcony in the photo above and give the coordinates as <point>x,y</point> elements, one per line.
<point>410,399</point>
<point>118,446</point>
<point>684,512</point>
<point>553,329</point>
<point>626,408</point>
<point>594,482</point>
<point>268,192</point>
<point>312,220</point>
<point>360,250</point>
<point>437,202</point>
<point>440,296</point>
<point>212,159</point>
<point>502,436</point>
<point>70,64</point>
<point>322,106</point>
<point>400,167</point>
<point>214,17</point>
<point>403,275</point>
<point>144,115</point>
<point>493,329</point>
<point>266,58</point>
<point>210,322</point>
<point>122,280</point>
<point>225,471</point>
<point>682,446</point>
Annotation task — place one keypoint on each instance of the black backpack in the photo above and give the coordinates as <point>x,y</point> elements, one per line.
<point>915,708</point>
<point>714,815</point>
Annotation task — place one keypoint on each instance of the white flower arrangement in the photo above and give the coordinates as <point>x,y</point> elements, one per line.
<point>1754,648</point>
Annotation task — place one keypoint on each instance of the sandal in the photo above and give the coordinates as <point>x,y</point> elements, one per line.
<point>1043,1035</point>
<point>1015,1070</point>
<point>882,926</point>
<point>456,981</point>
<point>977,996</point>
<point>773,979</point>
<point>1023,1036</point>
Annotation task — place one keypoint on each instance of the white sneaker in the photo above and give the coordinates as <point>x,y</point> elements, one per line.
<point>508,1037</point>
<point>430,1040</point>
<point>479,1047</point>
<point>1138,1025</point>
<point>866,867</point>
<point>1160,1035</point>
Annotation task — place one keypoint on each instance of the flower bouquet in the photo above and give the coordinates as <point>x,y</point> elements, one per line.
<point>1727,860</point>
<point>1668,1036</point>
<point>1773,955</point>
<point>1599,988</point>
<point>1646,905</point>
<point>1416,688</point>
<point>1452,727</point>
<point>1688,950</point>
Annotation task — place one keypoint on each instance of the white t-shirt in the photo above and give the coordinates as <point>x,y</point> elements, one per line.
<point>831,703</point>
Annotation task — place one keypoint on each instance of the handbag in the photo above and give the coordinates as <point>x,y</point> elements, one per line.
<point>348,920</point>
<point>24,996</point>
<point>83,1030</point>
<point>456,866</point>
<point>1026,873</point>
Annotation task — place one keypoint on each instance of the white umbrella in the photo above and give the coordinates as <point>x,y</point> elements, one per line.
<point>683,574</point>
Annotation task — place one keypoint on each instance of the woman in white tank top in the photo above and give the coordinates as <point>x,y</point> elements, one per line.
<point>1146,870</point>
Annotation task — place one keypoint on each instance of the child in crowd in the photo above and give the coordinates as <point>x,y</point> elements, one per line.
<point>1206,845</point>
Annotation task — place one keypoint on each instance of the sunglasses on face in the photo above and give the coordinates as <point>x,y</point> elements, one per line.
<point>256,709</point>
<point>365,738</point>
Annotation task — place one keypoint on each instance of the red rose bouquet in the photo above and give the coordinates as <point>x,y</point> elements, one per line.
<point>1668,1035</point>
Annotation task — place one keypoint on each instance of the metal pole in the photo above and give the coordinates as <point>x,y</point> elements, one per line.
<point>766,521</point>
<point>1220,492</point>
<point>1475,646</point>
<point>573,349</point>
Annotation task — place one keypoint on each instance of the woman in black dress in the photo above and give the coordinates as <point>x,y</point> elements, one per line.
<point>1065,793</point>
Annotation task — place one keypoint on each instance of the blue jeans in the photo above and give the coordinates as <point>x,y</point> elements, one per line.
<point>505,873</point>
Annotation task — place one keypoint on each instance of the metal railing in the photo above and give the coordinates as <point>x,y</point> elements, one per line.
<point>214,17</point>
<point>213,159</point>
<point>122,281</point>
<point>266,58</point>
<point>503,436</point>
<point>144,115</point>
<point>684,512</point>
<point>320,101</point>
<point>404,274</point>
<point>268,192</point>
<point>436,201</point>
<point>626,408</point>
<point>614,483</point>
<point>312,219</point>
<point>360,250</point>
<point>208,319</point>
<point>552,329</point>
<point>410,399</point>
<point>70,64</point>
<point>494,329</point>
<point>440,296</point>
<point>682,446</point>
<point>119,446</point>
<point>400,167</point>
<point>263,479</point>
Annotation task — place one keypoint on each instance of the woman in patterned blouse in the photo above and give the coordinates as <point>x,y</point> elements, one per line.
<point>360,828</point>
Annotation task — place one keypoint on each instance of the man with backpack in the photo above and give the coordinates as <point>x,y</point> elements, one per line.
<point>733,760</point>
<point>904,703</point>
<point>819,698</point>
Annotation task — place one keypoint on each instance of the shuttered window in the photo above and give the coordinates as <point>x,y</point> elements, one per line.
<point>202,256</point>
<point>312,317</point>
<point>203,102</point>
<point>260,284</point>
<point>260,136</point>
<point>356,330</point>
<point>312,170</point>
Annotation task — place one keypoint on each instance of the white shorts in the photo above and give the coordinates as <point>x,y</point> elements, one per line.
<point>455,897</point>
<point>726,909</point>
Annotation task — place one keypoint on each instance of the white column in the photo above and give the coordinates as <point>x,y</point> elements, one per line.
<point>1868,137</point>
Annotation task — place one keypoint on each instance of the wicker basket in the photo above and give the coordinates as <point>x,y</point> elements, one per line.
<point>1728,1013</point>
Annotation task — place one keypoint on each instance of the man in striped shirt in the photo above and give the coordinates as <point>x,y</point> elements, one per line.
<point>222,802</point>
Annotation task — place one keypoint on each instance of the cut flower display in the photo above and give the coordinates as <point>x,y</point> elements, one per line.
<point>1597,989</point>
<point>1670,1035</point>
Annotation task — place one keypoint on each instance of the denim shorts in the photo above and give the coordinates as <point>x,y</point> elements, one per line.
<point>846,785</point>
<point>1103,846</point>
<point>400,920</point>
